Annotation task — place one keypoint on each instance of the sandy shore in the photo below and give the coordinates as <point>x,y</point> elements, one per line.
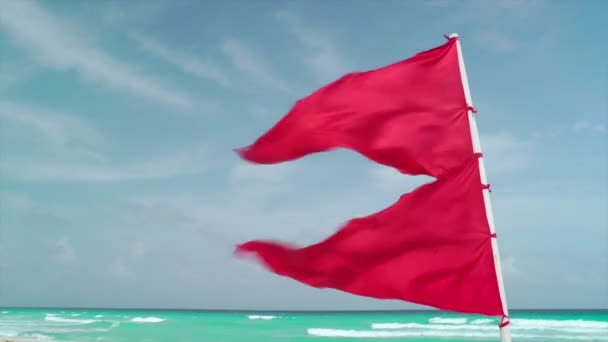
<point>4,339</point>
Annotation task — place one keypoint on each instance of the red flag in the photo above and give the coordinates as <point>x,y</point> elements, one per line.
<point>411,115</point>
<point>432,247</point>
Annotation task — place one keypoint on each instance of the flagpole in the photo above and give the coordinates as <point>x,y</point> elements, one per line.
<point>505,333</point>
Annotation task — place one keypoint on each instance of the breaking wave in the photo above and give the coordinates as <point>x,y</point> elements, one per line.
<point>483,321</point>
<point>147,320</point>
<point>261,317</point>
<point>55,318</point>
<point>41,329</point>
<point>441,320</point>
<point>544,323</point>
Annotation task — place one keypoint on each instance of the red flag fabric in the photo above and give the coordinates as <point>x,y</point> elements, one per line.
<point>410,115</point>
<point>432,247</point>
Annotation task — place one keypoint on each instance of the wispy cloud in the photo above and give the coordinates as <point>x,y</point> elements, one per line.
<point>170,166</point>
<point>244,59</point>
<point>587,126</point>
<point>138,249</point>
<point>4,264</point>
<point>389,179</point>
<point>57,44</point>
<point>187,63</point>
<point>33,213</point>
<point>502,26</point>
<point>119,269</point>
<point>15,202</point>
<point>244,172</point>
<point>14,74</point>
<point>321,55</point>
<point>498,41</point>
<point>68,148</point>
<point>62,250</point>
<point>53,127</point>
<point>505,152</point>
<point>509,267</point>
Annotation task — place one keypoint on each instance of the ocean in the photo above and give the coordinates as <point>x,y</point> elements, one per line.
<point>222,326</point>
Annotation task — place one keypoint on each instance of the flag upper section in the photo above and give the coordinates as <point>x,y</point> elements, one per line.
<point>432,247</point>
<point>410,115</point>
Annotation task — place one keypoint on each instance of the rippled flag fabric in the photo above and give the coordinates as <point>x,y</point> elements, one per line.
<point>432,247</point>
<point>410,115</point>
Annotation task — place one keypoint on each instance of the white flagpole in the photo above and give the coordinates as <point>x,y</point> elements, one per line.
<point>505,333</point>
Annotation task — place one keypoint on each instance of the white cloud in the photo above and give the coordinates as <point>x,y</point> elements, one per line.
<point>321,56</point>
<point>57,44</point>
<point>187,63</point>
<point>243,59</point>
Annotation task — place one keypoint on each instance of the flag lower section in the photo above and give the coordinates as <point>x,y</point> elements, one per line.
<point>432,247</point>
<point>410,115</point>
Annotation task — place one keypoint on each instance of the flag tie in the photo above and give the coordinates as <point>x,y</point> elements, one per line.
<point>486,187</point>
<point>472,109</point>
<point>504,321</point>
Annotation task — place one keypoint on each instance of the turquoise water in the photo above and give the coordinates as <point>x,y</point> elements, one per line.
<point>205,326</point>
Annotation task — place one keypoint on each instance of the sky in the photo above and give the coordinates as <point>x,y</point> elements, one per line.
<point>120,187</point>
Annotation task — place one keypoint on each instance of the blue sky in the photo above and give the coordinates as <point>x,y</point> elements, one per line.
<point>118,119</point>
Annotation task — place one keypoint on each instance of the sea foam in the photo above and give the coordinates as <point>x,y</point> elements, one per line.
<point>441,320</point>
<point>322,332</point>
<point>55,318</point>
<point>383,333</point>
<point>147,320</point>
<point>261,317</point>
